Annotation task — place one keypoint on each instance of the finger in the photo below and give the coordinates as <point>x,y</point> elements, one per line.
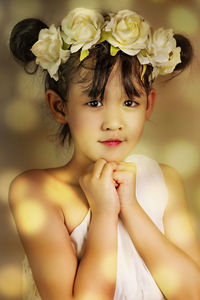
<point>129,167</point>
<point>90,168</point>
<point>118,177</point>
<point>108,169</point>
<point>116,183</point>
<point>98,166</point>
<point>123,177</point>
<point>126,164</point>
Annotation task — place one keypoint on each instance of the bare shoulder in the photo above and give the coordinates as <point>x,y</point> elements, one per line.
<point>174,183</point>
<point>171,173</point>
<point>177,201</point>
<point>25,182</point>
<point>32,185</point>
<point>28,176</point>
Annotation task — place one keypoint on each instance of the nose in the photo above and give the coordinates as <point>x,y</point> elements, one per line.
<point>112,120</point>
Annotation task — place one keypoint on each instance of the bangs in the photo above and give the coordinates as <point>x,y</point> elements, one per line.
<point>100,64</point>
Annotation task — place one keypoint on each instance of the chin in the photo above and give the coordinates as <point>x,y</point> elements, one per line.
<point>114,157</point>
<point>110,155</point>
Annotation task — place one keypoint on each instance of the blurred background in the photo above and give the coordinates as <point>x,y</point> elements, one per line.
<point>171,137</point>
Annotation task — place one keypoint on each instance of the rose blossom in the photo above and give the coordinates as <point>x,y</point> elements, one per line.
<point>161,52</point>
<point>48,50</point>
<point>128,31</point>
<point>81,28</point>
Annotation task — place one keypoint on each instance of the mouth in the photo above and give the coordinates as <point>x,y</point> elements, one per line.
<point>111,142</point>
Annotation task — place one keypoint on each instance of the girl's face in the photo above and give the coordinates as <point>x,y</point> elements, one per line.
<point>116,118</point>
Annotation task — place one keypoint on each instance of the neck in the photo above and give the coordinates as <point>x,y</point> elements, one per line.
<point>75,168</point>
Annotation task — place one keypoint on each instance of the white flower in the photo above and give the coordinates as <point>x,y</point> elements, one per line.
<point>163,43</point>
<point>128,31</point>
<point>169,66</point>
<point>159,46</point>
<point>81,28</point>
<point>161,52</point>
<point>48,50</point>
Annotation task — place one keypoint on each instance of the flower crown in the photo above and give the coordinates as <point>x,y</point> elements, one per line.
<point>126,31</point>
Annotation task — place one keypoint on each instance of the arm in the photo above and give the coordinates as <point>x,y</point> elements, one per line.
<point>49,249</point>
<point>172,261</point>
<point>96,274</point>
<point>177,221</point>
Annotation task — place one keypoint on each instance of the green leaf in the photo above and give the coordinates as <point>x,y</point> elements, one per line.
<point>84,54</point>
<point>113,50</point>
<point>104,36</point>
<point>143,52</point>
<point>144,67</point>
<point>65,46</point>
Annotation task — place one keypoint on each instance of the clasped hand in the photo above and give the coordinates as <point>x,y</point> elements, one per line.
<point>109,186</point>
<point>124,176</point>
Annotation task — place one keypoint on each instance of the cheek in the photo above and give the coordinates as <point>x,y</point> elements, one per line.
<point>136,124</point>
<point>81,122</point>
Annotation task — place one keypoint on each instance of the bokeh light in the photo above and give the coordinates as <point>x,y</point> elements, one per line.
<point>183,20</point>
<point>21,116</point>
<point>180,229</point>
<point>168,278</point>
<point>31,216</point>
<point>10,281</point>
<point>6,177</point>
<point>184,156</point>
<point>108,267</point>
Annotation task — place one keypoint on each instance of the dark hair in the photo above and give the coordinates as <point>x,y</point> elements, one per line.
<point>99,62</point>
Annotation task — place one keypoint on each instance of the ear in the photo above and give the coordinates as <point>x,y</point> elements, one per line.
<point>56,106</point>
<point>151,103</point>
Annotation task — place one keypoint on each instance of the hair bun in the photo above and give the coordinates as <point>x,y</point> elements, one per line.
<point>23,36</point>
<point>186,51</point>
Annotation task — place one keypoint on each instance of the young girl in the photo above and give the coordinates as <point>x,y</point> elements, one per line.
<point>114,226</point>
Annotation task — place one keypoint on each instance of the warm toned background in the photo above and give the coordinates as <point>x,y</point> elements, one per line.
<point>171,137</point>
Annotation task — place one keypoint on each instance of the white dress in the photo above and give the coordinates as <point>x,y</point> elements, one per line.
<point>134,281</point>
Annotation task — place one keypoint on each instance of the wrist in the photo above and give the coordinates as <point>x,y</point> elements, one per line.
<point>129,209</point>
<point>105,220</point>
<point>110,214</point>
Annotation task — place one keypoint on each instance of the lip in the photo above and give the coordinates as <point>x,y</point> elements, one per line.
<point>111,142</point>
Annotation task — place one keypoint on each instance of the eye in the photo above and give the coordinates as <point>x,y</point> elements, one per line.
<point>131,103</point>
<point>94,103</point>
